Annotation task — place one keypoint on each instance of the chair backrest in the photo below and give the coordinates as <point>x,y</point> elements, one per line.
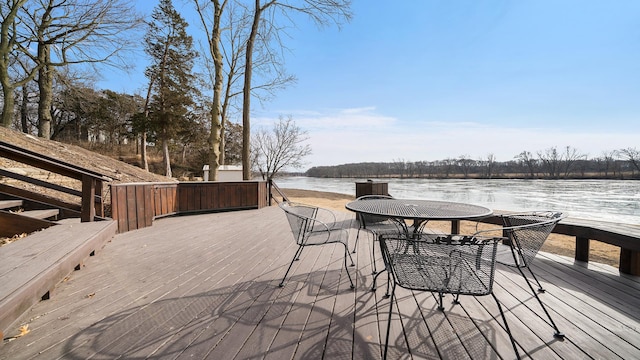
<point>366,219</point>
<point>453,264</point>
<point>301,219</point>
<point>529,231</point>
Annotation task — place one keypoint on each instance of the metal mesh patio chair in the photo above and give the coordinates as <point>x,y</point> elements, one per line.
<point>527,233</point>
<point>443,264</point>
<point>309,230</point>
<point>377,226</point>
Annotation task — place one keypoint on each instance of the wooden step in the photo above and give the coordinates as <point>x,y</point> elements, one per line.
<point>31,267</point>
<point>40,214</point>
<point>7,204</point>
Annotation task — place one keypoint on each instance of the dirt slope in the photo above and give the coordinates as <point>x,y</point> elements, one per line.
<point>117,170</point>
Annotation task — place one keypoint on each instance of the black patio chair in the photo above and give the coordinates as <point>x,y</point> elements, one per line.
<point>527,232</point>
<point>443,264</point>
<point>377,226</point>
<point>313,226</point>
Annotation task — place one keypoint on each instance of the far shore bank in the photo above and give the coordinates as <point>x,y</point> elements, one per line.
<point>557,244</point>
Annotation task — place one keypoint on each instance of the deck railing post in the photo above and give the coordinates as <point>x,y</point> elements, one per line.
<point>88,211</point>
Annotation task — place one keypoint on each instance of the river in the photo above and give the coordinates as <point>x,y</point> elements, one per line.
<point>605,200</point>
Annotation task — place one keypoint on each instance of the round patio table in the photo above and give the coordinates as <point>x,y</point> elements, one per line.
<point>420,211</point>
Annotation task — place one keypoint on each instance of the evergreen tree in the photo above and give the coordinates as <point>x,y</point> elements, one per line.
<point>170,76</point>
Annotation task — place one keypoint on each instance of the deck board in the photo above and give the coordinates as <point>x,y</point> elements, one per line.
<point>206,287</point>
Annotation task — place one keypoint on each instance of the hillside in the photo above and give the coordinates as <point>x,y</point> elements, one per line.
<point>115,169</point>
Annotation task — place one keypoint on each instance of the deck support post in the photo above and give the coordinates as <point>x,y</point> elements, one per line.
<point>582,248</point>
<point>455,226</point>
<point>630,262</point>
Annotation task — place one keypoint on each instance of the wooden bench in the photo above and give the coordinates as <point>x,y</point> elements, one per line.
<point>626,236</point>
<point>31,267</point>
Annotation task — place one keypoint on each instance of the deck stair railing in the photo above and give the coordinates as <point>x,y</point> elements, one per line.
<point>91,200</point>
<point>274,188</point>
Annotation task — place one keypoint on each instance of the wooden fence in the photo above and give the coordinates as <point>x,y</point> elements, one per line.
<point>136,205</point>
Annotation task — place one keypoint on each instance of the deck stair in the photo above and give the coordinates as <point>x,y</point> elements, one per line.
<point>18,216</point>
<point>8,204</point>
<point>41,214</point>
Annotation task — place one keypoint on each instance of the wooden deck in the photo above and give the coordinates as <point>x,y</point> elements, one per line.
<point>205,286</point>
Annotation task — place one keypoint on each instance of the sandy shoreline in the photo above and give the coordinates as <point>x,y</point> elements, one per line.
<point>557,244</point>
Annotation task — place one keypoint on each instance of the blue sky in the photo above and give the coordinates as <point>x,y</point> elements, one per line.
<point>429,80</point>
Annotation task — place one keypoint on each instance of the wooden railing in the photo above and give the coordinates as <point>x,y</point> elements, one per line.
<point>274,188</point>
<point>135,206</point>
<point>91,203</point>
<point>627,237</point>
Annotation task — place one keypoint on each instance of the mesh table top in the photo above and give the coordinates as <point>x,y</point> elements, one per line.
<point>419,209</point>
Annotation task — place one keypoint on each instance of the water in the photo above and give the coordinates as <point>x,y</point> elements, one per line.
<point>605,200</point>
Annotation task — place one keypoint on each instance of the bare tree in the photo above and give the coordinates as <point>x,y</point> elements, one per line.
<point>70,32</point>
<point>226,25</point>
<point>550,159</point>
<point>569,159</point>
<point>490,163</point>
<point>283,146</point>
<point>465,164</point>
<point>15,71</point>
<point>264,23</point>
<point>526,158</point>
<point>608,159</point>
<point>213,37</point>
<point>632,155</point>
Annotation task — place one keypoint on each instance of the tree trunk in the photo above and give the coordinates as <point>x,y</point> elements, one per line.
<point>7,40</point>
<point>221,157</point>
<point>143,151</point>
<point>214,137</point>
<point>165,158</point>
<point>144,162</point>
<point>45,86</point>
<point>7,105</point>
<point>24,110</point>
<point>246,95</point>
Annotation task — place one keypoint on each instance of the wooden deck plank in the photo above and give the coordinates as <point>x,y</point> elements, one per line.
<point>314,335</point>
<point>308,278</point>
<point>205,286</point>
<point>366,333</point>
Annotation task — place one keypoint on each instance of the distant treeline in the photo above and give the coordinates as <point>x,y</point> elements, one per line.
<point>547,164</point>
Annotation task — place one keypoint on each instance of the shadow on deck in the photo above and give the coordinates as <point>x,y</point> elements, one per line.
<point>206,286</point>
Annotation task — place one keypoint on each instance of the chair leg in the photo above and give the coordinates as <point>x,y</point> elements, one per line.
<point>558,333</point>
<point>355,246</point>
<point>375,279</point>
<point>540,288</point>
<point>346,268</point>
<point>386,294</point>
<point>506,327</point>
<point>386,342</point>
<point>297,254</point>
<point>350,258</point>
<point>373,254</point>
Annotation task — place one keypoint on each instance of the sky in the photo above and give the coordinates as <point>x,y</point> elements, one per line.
<point>428,80</point>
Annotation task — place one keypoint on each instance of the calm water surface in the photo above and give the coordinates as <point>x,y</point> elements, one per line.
<point>608,200</point>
